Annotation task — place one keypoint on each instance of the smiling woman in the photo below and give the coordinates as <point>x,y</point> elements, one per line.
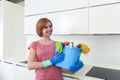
<point>42,56</point>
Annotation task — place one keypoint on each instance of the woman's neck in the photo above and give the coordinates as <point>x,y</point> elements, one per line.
<point>45,39</point>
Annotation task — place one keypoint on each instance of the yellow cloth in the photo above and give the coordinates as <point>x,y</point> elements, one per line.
<point>85,48</point>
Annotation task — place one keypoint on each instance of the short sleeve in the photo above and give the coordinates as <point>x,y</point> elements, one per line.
<point>32,45</point>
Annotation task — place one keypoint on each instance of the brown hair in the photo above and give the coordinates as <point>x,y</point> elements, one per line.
<point>40,25</point>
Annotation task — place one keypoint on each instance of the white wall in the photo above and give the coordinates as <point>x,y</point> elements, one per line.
<point>104,52</point>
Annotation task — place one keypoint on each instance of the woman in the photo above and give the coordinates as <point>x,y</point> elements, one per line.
<point>42,56</point>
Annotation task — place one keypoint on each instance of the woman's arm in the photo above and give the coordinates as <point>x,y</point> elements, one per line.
<point>32,64</point>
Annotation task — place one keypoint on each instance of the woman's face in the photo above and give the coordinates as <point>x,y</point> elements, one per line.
<point>47,30</point>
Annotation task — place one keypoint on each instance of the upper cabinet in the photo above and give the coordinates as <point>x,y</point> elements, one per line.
<point>74,16</point>
<point>101,2</point>
<point>104,19</point>
<point>60,5</point>
<point>30,24</point>
<point>67,16</point>
<point>70,22</point>
<point>33,7</point>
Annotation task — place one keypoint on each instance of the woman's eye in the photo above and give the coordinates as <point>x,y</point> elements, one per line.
<point>50,26</point>
<point>45,27</point>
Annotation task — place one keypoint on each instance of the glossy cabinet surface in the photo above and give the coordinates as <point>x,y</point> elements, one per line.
<point>30,23</point>
<point>35,7</point>
<point>70,22</point>
<point>104,19</point>
<point>76,17</point>
<point>22,73</point>
<point>59,5</point>
<point>71,18</point>
<point>7,71</point>
<point>101,2</point>
<point>1,31</point>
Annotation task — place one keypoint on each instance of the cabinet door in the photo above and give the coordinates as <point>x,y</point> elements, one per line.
<point>35,7</point>
<point>58,5</point>
<point>70,22</point>
<point>22,73</point>
<point>105,19</point>
<point>7,71</point>
<point>100,2</point>
<point>1,31</point>
<point>30,24</point>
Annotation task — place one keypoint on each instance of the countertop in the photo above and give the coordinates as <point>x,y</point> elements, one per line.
<point>79,75</point>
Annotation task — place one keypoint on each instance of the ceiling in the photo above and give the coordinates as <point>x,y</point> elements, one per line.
<point>19,2</point>
<point>15,1</point>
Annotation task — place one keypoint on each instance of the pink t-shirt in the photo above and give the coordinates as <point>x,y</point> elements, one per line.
<point>44,52</point>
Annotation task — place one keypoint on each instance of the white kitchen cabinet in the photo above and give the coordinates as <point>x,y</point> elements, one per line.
<point>12,36</point>
<point>101,2</point>
<point>22,73</point>
<point>59,5</point>
<point>1,77</point>
<point>7,71</point>
<point>70,22</point>
<point>72,18</point>
<point>104,19</point>
<point>67,22</point>
<point>30,24</point>
<point>1,30</point>
<point>35,7</point>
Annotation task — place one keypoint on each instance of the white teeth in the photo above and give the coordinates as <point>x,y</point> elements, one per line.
<point>48,32</point>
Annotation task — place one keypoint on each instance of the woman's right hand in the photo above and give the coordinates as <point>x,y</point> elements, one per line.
<point>58,57</point>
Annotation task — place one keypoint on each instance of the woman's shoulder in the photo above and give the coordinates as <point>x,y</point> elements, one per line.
<point>34,42</point>
<point>33,45</point>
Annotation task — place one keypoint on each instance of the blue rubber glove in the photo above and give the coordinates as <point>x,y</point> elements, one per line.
<point>58,57</point>
<point>76,66</point>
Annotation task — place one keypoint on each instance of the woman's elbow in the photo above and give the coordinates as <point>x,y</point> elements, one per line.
<point>29,67</point>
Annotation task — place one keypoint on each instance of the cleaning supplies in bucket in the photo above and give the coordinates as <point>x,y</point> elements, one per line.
<point>72,54</point>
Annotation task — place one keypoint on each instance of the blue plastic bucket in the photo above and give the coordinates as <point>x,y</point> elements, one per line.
<point>72,54</point>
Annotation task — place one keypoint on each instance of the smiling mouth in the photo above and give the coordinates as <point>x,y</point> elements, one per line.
<point>49,32</point>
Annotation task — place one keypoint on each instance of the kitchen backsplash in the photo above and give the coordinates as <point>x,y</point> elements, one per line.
<point>104,49</point>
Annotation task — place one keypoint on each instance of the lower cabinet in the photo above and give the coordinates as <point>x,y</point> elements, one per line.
<point>7,71</point>
<point>10,71</point>
<point>22,73</point>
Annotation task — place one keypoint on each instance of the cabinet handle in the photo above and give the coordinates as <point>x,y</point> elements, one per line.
<point>21,65</point>
<point>71,77</point>
<point>8,62</point>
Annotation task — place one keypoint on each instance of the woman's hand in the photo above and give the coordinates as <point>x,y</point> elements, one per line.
<point>76,66</point>
<point>58,57</point>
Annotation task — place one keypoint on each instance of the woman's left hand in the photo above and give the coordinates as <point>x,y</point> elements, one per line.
<point>76,66</point>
